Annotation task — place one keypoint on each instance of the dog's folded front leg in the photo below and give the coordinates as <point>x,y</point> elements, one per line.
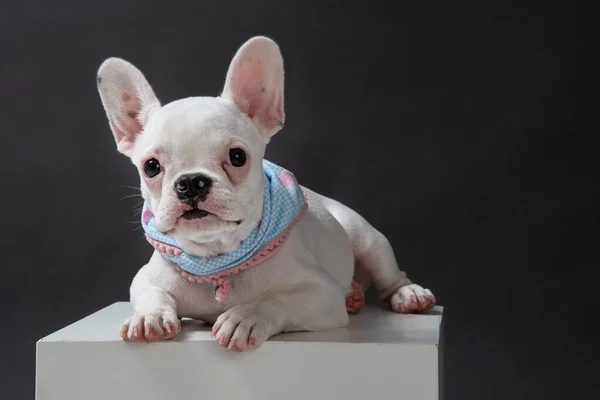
<point>300,308</point>
<point>155,313</point>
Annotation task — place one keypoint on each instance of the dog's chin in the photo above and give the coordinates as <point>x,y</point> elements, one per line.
<point>202,233</point>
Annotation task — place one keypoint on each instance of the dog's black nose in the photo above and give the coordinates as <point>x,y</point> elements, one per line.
<point>193,187</point>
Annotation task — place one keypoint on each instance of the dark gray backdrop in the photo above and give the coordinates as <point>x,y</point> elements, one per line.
<point>459,130</point>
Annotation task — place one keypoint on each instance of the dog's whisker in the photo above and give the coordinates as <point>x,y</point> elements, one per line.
<point>139,206</point>
<point>130,196</point>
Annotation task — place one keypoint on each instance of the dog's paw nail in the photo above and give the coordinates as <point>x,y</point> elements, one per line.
<point>234,347</point>
<point>124,330</point>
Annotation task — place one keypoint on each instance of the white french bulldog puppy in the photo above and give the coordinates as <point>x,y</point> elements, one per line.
<point>238,243</point>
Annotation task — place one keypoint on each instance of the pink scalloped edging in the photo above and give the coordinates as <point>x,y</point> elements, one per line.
<point>218,279</point>
<point>163,247</point>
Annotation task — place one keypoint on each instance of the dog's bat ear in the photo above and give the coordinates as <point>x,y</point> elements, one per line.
<point>128,100</point>
<point>254,83</point>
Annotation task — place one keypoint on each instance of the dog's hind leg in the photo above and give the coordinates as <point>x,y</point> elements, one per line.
<point>375,262</point>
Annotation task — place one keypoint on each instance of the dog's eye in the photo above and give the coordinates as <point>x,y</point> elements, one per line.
<point>237,157</point>
<point>152,168</point>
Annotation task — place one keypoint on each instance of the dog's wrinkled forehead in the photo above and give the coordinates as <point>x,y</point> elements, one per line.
<point>197,125</point>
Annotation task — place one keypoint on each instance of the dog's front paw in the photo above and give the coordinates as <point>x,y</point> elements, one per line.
<point>151,327</point>
<point>412,299</point>
<point>242,327</point>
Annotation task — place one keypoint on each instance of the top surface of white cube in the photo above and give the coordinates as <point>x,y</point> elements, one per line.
<point>371,325</point>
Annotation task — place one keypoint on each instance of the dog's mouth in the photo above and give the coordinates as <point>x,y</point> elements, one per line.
<point>196,213</point>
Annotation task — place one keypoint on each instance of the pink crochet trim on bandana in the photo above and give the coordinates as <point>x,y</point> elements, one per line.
<point>164,248</point>
<point>218,280</point>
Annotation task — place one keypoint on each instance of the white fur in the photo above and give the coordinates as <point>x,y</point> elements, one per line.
<point>303,287</point>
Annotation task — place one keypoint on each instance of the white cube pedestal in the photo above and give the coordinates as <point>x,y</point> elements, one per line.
<point>379,355</point>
